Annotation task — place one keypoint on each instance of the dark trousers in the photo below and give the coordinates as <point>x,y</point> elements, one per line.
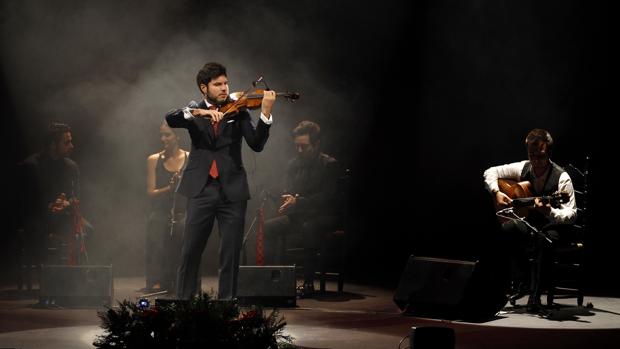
<point>202,210</point>
<point>32,252</point>
<point>305,232</point>
<point>163,249</point>
<point>524,244</point>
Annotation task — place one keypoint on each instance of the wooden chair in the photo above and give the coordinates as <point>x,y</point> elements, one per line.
<point>568,274</point>
<point>333,248</point>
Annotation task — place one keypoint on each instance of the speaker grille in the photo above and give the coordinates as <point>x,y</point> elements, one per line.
<point>266,285</point>
<point>67,285</point>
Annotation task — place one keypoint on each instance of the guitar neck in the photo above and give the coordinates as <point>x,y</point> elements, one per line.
<point>523,202</point>
<point>529,201</point>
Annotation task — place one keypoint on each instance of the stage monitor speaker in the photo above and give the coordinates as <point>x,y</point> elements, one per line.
<point>75,286</point>
<point>449,289</point>
<point>166,302</point>
<point>431,337</point>
<point>271,286</point>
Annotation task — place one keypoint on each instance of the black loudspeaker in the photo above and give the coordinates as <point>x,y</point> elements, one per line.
<point>449,289</point>
<point>271,286</point>
<point>431,337</point>
<point>74,286</point>
<point>166,302</point>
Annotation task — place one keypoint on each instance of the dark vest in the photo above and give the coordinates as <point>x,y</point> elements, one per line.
<point>550,187</point>
<point>163,203</point>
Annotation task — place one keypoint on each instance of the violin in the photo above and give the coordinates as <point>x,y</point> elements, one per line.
<point>250,99</point>
<point>239,101</point>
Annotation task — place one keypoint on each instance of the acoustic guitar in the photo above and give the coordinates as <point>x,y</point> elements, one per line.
<point>523,199</point>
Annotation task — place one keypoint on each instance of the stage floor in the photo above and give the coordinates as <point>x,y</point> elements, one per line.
<point>362,317</point>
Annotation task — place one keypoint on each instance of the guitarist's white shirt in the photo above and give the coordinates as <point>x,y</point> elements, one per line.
<point>565,214</point>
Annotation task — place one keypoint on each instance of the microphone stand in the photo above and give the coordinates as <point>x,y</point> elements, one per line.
<point>173,209</point>
<point>244,256</point>
<point>534,232</point>
<point>509,210</point>
<point>173,220</point>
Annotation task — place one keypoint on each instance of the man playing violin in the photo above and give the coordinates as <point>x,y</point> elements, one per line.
<point>214,180</point>
<point>545,179</point>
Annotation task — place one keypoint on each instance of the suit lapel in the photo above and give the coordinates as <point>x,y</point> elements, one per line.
<point>208,124</point>
<point>224,137</point>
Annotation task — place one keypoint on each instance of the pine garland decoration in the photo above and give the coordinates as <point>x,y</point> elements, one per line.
<point>198,323</point>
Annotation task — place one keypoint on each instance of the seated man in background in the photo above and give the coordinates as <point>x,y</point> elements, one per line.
<point>309,207</point>
<point>50,192</point>
<point>544,178</point>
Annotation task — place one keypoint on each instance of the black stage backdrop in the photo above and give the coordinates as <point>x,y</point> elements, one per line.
<point>417,98</point>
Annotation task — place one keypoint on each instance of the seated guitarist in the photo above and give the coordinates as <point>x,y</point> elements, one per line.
<point>545,179</point>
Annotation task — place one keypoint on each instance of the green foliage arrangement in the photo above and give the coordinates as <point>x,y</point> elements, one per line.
<point>198,323</point>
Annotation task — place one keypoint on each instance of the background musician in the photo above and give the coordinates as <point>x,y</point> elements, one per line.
<point>309,204</point>
<point>50,186</point>
<point>163,242</point>
<point>545,178</point>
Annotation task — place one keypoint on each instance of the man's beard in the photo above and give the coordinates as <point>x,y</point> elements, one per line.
<point>215,100</point>
<point>308,157</point>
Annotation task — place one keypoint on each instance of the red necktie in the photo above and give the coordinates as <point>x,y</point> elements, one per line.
<point>213,171</point>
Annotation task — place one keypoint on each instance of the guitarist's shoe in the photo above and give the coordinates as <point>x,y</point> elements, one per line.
<point>521,291</point>
<point>535,306</point>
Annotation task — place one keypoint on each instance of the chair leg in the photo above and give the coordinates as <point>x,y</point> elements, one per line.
<point>550,295</point>
<point>343,263</point>
<point>551,288</point>
<point>322,280</point>
<point>580,282</point>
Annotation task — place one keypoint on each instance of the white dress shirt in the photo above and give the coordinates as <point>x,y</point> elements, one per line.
<point>564,214</point>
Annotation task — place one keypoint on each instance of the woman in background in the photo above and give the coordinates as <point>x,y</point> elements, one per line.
<point>167,212</point>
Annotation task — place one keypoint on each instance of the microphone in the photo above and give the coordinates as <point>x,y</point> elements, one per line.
<point>260,79</point>
<point>574,168</point>
<point>255,82</point>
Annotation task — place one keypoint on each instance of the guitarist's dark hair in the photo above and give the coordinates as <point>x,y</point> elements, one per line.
<point>538,134</point>
<point>54,133</point>
<point>312,129</point>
